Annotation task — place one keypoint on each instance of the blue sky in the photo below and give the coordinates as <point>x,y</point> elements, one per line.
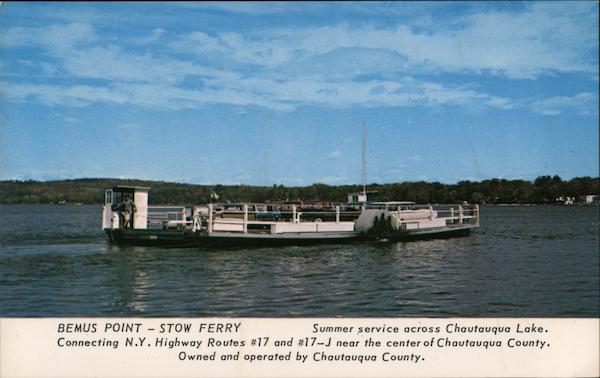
<point>276,93</point>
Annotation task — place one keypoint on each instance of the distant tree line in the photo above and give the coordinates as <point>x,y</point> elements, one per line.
<point>543,190</point>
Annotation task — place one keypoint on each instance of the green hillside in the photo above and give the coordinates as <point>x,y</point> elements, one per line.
<point>544,189</point>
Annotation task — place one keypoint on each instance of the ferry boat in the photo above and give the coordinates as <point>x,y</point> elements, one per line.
<point>247,224</point>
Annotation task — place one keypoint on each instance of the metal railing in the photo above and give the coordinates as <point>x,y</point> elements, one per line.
<point>239,220</point>
<point>165,217</point>
<point>244,217</point>
<point>459,214</point>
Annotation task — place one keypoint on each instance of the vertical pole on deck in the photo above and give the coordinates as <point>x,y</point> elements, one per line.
<point>477,213</point>
<point>337,214</point>
<point>294,214</point>
<point>460,214</point>
<point>363,161</point>
<point>245,219</point>
<point>210,218</point>
<point>194,219</point>
<point>430,212</point>
<point>452,214</point>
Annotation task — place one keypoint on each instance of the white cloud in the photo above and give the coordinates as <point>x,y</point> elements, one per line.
<point>500,103</point>
<point>25,62</point>
<point>249,8</point>
<point>70,119</point>
<point>544,38</point>
<point>42,68</point>
<point>153,37</point>
<point>58,37</point>
<point>337,154</point>
<point>48,69</point>
<point>283,96</point>
<point>113,63</point>
<point>405,92</point>
<point>51,95</point>
<point>335,66</point>
<point>130,125</point>
<point>583,104</point>
<point>541,39</point>
<point>161,97</point>
<point>264,50</point>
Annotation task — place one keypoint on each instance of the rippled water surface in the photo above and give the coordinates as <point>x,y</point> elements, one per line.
<point>523,261</point>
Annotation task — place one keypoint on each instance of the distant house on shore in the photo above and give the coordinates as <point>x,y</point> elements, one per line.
<point>589,199</point>
<point>566,200</point>
<point>361,197</point>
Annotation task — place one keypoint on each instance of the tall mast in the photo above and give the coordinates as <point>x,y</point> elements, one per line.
<point>364,160</point>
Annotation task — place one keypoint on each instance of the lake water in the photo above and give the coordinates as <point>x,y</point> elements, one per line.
<point>523,261</point>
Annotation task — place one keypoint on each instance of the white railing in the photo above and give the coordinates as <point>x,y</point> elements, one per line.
<point>165,217</point>
<point>452,214</point>
<point>243,219</point>
<point>459,214</point>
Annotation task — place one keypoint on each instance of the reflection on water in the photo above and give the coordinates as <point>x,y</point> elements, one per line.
<point>524,261</point>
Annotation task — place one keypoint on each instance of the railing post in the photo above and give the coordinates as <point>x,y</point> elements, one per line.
<point>477,213</point>
<point>294,214</point>
<point>210,218</point>
<point>430,212</point>
<point>245,219</point>
<point>194,219</point>
<point>337,214</point>
<point>460,214</point>
<point>115,220</point>
<point>452,214</point>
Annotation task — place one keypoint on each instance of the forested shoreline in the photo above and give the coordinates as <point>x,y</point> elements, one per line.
<point>543,190</point>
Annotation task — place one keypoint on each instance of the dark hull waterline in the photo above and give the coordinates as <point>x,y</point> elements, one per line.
<point>186,238</point>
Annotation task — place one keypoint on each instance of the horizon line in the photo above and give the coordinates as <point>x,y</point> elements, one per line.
<point>293,186</point>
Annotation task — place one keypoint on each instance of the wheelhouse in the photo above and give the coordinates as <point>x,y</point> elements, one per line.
<point>116,195</point>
